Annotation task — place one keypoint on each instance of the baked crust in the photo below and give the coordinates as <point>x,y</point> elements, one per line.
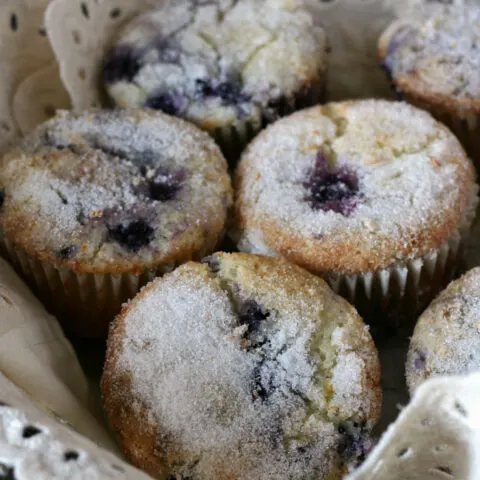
<point>407,79</point>
<point>446,337</point>
<point>42,230</point>
<point>349,247</point>
<point>133,418</point>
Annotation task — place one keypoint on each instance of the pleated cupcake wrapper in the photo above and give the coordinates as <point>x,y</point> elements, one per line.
<point>414,281</point>
<point>84,303</point>
<point>465,126</point>
<point>233,139</point>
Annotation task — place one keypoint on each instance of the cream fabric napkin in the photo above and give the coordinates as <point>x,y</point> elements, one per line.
<point>36,357</point>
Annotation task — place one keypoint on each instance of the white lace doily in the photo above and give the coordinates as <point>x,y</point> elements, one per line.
<point>33,445</point>
<point>24,50</point>
<point>437,436</point>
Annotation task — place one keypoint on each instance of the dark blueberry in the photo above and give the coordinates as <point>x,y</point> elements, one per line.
<point>30,431</point>
<point>213,263</point>
<point>134,236</point>
<point>203,88</point>
<point>6,472</point>
<point>332,189</point>
<point>229,91</point>
<point>354,443</point>
<point>169,103</point>
<point>164,187</point>
<point>66,252</point>
<point>122,63</point>
<point>70,455</point>
<point>2,196</point>
<point>260,390</point>
<point>279,107</point>
<point>419,360</point>
<point>252,315</point>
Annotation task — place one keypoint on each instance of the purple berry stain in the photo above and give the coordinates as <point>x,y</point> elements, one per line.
<point>419,360</point>
<point>230,92</point>
<point>134,236</point>
<point>354,444</point>
<point>122,63</point>
<point>165,186</point>
<point>252,315</point>
<point>334,189</point>
<point>170,103</point>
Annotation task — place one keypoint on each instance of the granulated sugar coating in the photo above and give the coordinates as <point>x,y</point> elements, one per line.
<point>353,187</point>
<point>436,54</point>
<point>241,367</point>
<point>217,63</point>
<point>115,191</point>
<point>446,340</point>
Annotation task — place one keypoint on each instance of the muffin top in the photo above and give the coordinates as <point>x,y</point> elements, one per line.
<point>446,340</point>
<point>218,61</point>
<point>353,186</point>
<point>435,55</point>
<point>114,191</point>
<point>266,374</point>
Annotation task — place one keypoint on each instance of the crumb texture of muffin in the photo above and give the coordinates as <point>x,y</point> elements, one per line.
<point>111,193</point>
<point>353,187</point>
<point>220,63</point>
<point>241,367</point>
<point>446,340</point>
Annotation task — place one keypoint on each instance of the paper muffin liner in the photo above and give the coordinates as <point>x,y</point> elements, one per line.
<point>84,303</point>
<point>411,283</point>
<point>233,139</point>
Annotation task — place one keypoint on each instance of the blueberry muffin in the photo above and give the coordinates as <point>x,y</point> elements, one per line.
<point>446,340</point>
<point>373,195</point>
<point>433,62</point>
<point>241,367</point>
<point>227,66</point>
<point>95,204</point>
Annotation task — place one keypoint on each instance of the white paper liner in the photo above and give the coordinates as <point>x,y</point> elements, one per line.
<point>412,280</point>
<point>437,436</point>
<point>84,303</point>
<point>43,453</point>
<point>37,357</point>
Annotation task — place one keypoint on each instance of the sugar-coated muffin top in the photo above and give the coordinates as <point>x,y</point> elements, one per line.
<point>435,54</point>
<point>353,186</point>
<point>241,367</point>
<point>446,340</point>
<point>113,191</point>
<point>218,61</point>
